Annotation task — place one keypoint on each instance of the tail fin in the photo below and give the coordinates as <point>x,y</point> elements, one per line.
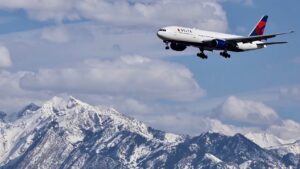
<point>260,27</point>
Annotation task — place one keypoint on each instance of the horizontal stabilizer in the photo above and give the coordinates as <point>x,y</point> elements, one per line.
<point>272,43</point>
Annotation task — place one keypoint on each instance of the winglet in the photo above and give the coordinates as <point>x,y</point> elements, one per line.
<point>259,27</point>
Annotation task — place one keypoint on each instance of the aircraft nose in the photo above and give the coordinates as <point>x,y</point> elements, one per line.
<point>162,33</point>
<point>159,34</point>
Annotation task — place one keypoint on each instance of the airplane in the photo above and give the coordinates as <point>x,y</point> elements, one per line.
<point>180,38</point>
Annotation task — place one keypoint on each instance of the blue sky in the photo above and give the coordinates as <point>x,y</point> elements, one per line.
<point>107,53</point>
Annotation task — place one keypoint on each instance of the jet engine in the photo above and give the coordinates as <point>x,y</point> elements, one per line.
<point>178,47</point>
<point>248,46</point>
<point>220,44</point>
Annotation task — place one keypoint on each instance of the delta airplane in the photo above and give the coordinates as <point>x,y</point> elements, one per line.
<point>179,38</point>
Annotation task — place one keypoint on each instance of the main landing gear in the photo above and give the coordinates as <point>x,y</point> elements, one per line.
<point>225,54</point>
<point>201,54</point>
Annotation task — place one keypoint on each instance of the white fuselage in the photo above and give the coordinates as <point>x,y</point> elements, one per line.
<point>196,36</point>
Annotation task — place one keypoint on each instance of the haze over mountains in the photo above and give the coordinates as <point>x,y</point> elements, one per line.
<point>65,133</point>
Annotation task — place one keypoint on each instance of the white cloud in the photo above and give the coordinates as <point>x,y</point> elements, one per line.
<point>13,97</point>
<point>288,129</point>
<point>292,92</point>
<point>246,111</point>
<point>187,123</point>
<point>9,83</point>
<point>285,129</point>
<point>181,123</point>
<point>134,76</point>
<point>56,34</point>
<point>132,106</point>
<point>44,10</point>
<point>194,124</point>
<point>5,60</point>
<point>206,14</point>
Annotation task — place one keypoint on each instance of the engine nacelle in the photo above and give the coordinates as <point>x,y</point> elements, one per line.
<point>248,46</point>
<point>178,46</point>
<point>219,44</point>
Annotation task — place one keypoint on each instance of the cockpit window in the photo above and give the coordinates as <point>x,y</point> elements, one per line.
<point>164,30</point>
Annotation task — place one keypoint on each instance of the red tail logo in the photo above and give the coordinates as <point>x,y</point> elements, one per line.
<point>260,27</point>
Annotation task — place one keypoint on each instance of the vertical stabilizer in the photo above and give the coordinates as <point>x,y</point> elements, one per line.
<point>260,27</point>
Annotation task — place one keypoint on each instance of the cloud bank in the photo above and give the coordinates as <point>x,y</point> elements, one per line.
<point>229,118</point>
<point>207,14</point>
<point>5,59</point>
<point>132,76</point>
<point>246,111</point>
<point>56,34</point>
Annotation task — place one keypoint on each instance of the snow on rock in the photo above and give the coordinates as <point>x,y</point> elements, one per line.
<point>245,165</point>
<point>186,162</point>
<point>173,138</point>
<point>213,158</point>
<point>138,153</point>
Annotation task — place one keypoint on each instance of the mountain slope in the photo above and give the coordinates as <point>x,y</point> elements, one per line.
<point>293,148</point>
<point>70,133</point>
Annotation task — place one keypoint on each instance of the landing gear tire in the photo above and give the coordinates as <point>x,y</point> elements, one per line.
<point>202,55</point>
<point>225,54</point>
<point>167,45</point>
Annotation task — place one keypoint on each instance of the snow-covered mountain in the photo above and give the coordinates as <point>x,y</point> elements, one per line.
<point>288,148</point>
<point>272,142</point>
<point>266,140</point>
<point>65,133</point>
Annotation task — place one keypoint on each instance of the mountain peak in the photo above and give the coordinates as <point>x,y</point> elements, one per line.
<point>72,102</point>
<point>78,113</point>
<point>58,105</point>
<point>58,101</point>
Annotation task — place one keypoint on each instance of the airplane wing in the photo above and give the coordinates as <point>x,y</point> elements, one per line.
<point>254,38</point>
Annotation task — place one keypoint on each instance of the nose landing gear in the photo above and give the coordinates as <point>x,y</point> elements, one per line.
<point>167,45</point>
